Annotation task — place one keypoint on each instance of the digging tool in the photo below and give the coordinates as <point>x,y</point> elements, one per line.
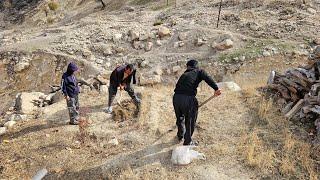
<point>206,101</point>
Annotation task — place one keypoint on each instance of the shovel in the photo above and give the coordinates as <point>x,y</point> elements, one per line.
<point>206,101</point>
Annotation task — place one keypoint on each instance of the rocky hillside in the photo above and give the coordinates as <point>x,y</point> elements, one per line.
<point>38,38</point>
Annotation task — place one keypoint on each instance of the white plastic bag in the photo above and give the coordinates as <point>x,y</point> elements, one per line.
<point>183,155</point>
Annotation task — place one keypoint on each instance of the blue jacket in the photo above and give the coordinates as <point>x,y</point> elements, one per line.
<point>69,83</point>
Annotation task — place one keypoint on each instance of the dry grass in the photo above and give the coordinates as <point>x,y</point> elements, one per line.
<point>270,146</point>
<point>53,6</point>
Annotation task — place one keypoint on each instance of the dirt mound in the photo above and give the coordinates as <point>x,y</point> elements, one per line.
<point>126,111</point>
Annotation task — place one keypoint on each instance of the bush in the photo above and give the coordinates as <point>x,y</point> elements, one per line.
<point>53,6</point>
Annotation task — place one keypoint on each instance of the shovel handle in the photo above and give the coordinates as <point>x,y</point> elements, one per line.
<point>206,101</point>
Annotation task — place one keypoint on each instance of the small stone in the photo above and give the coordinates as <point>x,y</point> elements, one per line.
<point>311,11</point>
<point>200,42</point>
<point>149,46</point>
<point>158,43</point>
<point>86,53</point>
<point>226,44</point>
<point>242,58</point>
<point>163,31</point>
<point>47,135</point>
<point>176,69</point>
<point>144,63</point>
<point>9,124</point>
<point>2,130</point>
<point>99,61</point>
<point>134,35</point>
<point>316,41</point>
<point>266,53</point>
<point>117,37</point>
<point>104,89</point>
<point>21,66</point>
<point>114,141</point>
<point>182,36</point>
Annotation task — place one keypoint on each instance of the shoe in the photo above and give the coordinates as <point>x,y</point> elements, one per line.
<point>108,110</point>
<point>74,123</point>
<point>192,143</point>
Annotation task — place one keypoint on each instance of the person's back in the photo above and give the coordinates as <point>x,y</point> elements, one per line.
<point>190,79</point>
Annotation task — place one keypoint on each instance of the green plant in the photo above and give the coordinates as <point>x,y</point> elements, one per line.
<point>53,6</point>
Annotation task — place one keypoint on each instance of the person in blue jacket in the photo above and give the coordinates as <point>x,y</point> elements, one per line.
<point>70,90</point>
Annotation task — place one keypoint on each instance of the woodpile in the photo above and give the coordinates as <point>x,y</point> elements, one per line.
<point>297,91</point>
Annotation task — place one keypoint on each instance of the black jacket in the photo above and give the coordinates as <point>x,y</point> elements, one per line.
<point>190,79</point>
<point>116,77</point>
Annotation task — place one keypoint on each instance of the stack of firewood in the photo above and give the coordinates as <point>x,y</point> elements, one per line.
<point>298,92</point>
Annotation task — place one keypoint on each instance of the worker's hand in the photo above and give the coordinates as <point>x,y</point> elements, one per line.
<point>122,86</point>
<point>67,98</point>
<point>217,92</point>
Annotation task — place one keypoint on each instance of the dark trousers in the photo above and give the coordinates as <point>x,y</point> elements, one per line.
<point>113,92</point>
<point>186,110</point>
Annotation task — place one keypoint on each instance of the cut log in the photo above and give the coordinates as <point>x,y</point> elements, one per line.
<point>282,90</point>
<point>295,109</point>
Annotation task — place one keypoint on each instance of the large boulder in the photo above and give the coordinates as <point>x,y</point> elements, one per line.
<point>25,102</point>
<point>150,79</point>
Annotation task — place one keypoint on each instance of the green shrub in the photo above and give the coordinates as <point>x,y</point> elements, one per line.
<point>53,6</point>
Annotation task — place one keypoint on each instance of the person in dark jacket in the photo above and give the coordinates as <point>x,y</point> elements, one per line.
<point>121,77</point>
<point>184,101</point>
<point>70,90</point>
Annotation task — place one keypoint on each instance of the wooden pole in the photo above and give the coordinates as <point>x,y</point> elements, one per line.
<point>219,13</point>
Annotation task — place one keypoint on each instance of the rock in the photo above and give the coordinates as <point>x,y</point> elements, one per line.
<point>158,43</point>
<point>158,71</point>
<point>266,53</point>
<point>144,63</point>
<point>114,141</point>
<point>242,58</point>
<point>17,117</point>
<point>99,61</point>
<point>57,97</point>
<point>133,35</point>
<point>150,79</point>
<point>163,31</point>
<point>104,89</point>
<point>9,124</point>
<point>176,69</point>
<point>102,79</point>
<point>2,130</point>
<point>199,42</point>
<point>117,37</point>
<point>224,45</point>
<point>119,50</point>
<point>130,9</point>
<point>86,53</point>
<point>316,51</point>
<point>138,45</point>
<point>254,26</point>
<point>21,66</point>
<point>102,49</point>
<point>316,41</point>
<point>25,102</point>
<point>149,46</point>
<point>182,36</point>
<point>311,11</point>
<point>145,36</point>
